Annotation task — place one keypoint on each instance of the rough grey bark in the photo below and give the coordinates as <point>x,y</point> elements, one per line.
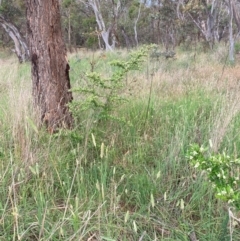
<point>21,48</point>
<point>50,68</point>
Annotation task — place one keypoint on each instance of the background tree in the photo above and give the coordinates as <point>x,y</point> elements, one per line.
<point>112,23</point>
<point>231,39</point>
<point>50,68</point>
<point>73,13</point>
<point>164,14</point>
<point>204,16</point>
<point>21,48</point>
<point>236,13</point>
<point>10,12</point>
<point>106,27</point>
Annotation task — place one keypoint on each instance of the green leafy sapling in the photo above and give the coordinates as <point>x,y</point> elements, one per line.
<point>221,170</point>
<point>102,95</point>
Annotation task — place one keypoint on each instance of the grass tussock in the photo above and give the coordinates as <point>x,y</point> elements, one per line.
<point>125,178</point>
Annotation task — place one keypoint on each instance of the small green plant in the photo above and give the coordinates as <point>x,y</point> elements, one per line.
<point>222,171</point>
<point>102,95</point>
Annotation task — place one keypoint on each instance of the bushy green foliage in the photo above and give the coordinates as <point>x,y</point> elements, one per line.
<point>221,170</point>
<point>102,95</point>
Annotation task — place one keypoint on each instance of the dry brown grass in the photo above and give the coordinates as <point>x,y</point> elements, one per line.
<point>15,86</point>
<point>170,79</point>
<point>205,73</point>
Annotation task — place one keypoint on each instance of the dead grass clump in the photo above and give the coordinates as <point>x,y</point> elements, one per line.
<point>16,103</point>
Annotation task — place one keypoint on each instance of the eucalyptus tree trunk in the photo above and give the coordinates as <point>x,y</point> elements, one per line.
<point>231,39</point>
<point>135,25</point>
<point>236,14</point>
<point>50,68</point>
<point>212,23</point>
<point>208,26</point>
<point>21,49</point>
<point>105,33</point>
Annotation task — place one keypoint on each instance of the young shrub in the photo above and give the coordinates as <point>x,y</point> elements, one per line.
<point>221,170</point>
<point>103,95</point>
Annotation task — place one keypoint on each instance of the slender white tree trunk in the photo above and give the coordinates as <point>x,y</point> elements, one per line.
<point>231,39</point>
<point>135,25</point>
<point>210,24</point>
<point>236,14</point>
<point>105,33</point>
<point>105,37</point>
